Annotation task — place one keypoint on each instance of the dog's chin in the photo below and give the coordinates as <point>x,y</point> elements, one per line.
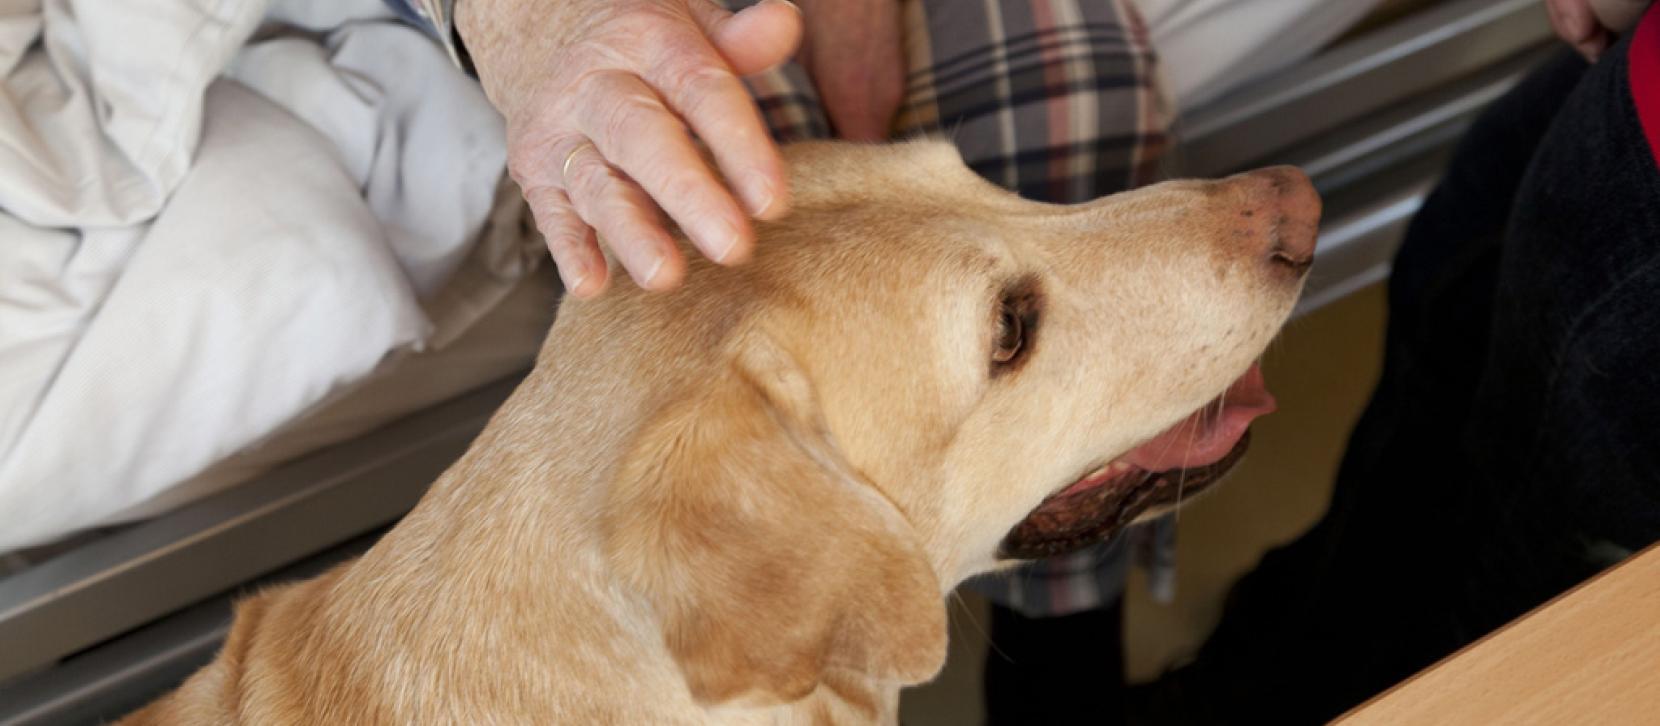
<point>1158,475</point>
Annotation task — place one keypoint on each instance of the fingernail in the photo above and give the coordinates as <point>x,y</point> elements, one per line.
<point>573,280</point>
<point>761,195</point>
<point>651,272</point>
<point>792,5</point>
<point>723,249</point>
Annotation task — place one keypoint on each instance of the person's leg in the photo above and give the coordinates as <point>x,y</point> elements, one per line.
<point>1512,433</point>
<point>1311,601</point>
<point>1055,99</point>
<point>1056,670</point>
<point>1566,426</point>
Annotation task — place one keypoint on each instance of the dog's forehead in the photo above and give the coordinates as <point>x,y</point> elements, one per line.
<point>854,260</point>
<point>929,204</point>
<point>835,174</point>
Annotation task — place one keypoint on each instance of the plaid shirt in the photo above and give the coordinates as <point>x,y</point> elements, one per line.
<point>1055,99</point>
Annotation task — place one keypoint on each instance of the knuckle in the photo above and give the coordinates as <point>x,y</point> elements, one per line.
<point>565,239</point>
<point>555,220</point>
<point>695,85</point>
<point>591,53</point>
<point>546,203</point>
<point>534,161</point>
<point>524,164</point>
<point>594,84</point>
<point>604,200</point>
<point>665,32</point>
<point>626,116</point>
<point>589,179</point>
<point>632,221</point>
<point>626,212</point>
<point>674,181</point>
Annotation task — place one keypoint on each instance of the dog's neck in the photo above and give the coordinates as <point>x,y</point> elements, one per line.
<point>510,521</point>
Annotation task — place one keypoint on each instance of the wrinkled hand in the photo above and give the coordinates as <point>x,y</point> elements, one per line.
<point>1590,25</point>
<point>854,54</point>
<point>598,95</point>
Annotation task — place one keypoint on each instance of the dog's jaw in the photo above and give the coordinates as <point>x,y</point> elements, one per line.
<point>1072,520</point>
<point>1181,462</point>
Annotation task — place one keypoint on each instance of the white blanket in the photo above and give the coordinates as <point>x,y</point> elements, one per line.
<point>201,237</point>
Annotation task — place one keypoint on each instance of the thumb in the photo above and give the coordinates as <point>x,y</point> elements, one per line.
<point>1572,20</point>
<point>760,37</point>
<point>859,107</point>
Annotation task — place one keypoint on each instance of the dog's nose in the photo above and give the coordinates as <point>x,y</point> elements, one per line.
<point>1285,205</point>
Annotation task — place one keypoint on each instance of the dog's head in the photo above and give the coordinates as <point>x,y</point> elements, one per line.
<point>919,376</point>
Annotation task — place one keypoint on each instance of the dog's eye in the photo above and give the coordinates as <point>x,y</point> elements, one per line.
<point>1019,308</point>
<point>1011,335</point>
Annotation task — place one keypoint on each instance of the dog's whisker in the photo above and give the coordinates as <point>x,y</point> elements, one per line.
<point>967,612</point>
<point>1181,476</point>
<point>1172,441</point>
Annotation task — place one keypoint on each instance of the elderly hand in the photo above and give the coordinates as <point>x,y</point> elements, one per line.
<point>854,54</point>
<point>598,95</point>
<point>1590,25</point>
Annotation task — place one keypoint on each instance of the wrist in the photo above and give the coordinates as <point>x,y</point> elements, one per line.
<point>509,43</point>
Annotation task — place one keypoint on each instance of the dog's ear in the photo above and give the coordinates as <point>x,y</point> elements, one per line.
<point>769,560</point>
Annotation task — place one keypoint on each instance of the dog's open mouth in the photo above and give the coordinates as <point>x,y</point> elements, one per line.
<point>1183,460</point>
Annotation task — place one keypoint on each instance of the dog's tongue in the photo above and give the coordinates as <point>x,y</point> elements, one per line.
<point>1208,435</point>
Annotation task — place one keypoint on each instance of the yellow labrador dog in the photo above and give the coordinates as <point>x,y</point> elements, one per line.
<point>744,502</point>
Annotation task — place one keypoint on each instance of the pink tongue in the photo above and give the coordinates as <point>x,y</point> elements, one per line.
<point>1206,436</point>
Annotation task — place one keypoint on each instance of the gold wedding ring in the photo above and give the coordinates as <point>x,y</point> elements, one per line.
<point>565,169</point>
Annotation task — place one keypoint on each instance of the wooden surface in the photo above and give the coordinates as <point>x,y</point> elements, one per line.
<point>1591,656</point>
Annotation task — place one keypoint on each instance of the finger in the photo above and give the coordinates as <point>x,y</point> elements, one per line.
<point>570,241</point>
<point>1572,20</point>
<point>1593,46</point>
<point>625,219</point>
<point>642,138</point>
<point>857,63</point>
<point>860,105</point>
<point>851,112</point>
<point>756,39</point>
<point>702,90</point>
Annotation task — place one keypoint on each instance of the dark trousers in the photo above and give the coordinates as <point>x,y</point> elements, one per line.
<point>1512,447</point>
<point>1056,671</point>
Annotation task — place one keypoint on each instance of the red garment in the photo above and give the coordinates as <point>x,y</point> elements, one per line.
<point>1644,77</point>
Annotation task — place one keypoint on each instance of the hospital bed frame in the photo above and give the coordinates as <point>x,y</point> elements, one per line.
<point>109,624</point>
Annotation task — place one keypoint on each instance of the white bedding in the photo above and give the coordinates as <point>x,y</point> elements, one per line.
<point>202,237</point>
